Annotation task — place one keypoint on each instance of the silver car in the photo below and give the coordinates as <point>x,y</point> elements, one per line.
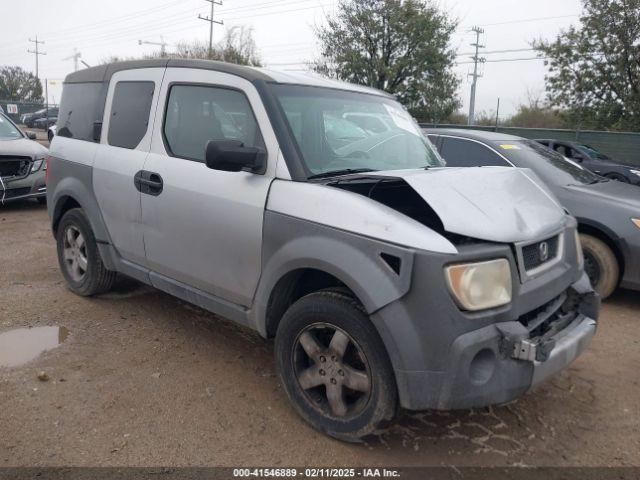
<point>22,164</point>
<point>386,279</point>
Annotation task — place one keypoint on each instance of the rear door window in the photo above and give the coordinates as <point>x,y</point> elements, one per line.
<point>81,110</point>
<point>130,111</point>
<point>459,152</point>
<point>198,114</point>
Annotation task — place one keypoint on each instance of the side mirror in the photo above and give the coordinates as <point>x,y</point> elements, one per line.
<point>233,156</point>
<point>32,136</point>
<point>578,157</point>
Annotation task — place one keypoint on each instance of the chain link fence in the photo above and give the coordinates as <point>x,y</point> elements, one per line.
<point>16,111</point>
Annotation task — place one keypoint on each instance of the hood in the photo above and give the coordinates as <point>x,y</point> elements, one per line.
<point>610,191</point>
<point>498,204</point>
<point>22,147</point>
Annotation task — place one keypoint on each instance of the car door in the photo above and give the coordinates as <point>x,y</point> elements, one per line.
<point>124,146</point>
<point>203,228</point>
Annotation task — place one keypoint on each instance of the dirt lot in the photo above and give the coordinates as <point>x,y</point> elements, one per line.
<point>145,379</point>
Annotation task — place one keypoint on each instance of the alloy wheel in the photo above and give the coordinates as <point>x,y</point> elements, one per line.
<point>75,253</point>
<point>332,371</point>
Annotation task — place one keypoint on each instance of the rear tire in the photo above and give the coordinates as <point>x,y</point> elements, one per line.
<point>79,258</point>
<point>601,265</point>
<point>334,366</point>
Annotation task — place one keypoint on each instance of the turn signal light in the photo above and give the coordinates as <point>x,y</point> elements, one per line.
<point>636,221</point>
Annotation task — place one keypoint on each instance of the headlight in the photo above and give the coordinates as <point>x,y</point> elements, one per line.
<point>636,221</point>
<point>579,251</point>
<point>635,172</point>
<point>479,286</point>
<point>37,164</point>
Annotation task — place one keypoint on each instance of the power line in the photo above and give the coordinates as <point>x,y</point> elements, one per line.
<point>490,52</point>
<point>37,53</point>
<point>527,20</point>
<point>501,60</point>
<point>476,60</point>
<point>211,21</point>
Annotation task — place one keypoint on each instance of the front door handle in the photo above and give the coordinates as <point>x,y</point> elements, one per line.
<point>148,183</point>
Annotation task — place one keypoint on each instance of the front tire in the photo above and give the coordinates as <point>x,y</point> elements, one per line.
<point>617,177</point>
<point>79,258</point>
<point>334,366</point>
<point>601,265</point>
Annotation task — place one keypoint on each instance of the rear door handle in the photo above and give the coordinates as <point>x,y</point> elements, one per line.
<point>148,183</point>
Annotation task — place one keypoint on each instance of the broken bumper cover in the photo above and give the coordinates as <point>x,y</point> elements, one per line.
<point>499,363</point>
<point>572,342</point>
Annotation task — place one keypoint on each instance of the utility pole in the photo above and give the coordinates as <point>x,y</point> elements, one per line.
<point>498,114</point>
<point>476,60</point>
<point>211,22</point>
<point>162,44</point>
<point>37,53</point>
<point>75,57</point>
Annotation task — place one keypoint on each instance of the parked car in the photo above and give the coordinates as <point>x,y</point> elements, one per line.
<point>595,161</point>
<point>22,168</point>
<point>30,119</point>
<point>608,212</point>
<point>51,132</point>
<point>45,123</point>
<point>369,264</point>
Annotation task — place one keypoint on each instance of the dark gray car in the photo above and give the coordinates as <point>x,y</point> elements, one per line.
<point>22,165</point>
<point>608,212</point>
<point>595,161</point>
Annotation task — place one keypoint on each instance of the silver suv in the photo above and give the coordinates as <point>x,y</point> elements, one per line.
<point>386,279</point>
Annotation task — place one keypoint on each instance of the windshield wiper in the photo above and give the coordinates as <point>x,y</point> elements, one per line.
<point>337,173</point>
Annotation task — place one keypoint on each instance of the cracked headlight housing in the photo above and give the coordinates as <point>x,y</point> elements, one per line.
<point>37,164</point>
<point>480,286</point>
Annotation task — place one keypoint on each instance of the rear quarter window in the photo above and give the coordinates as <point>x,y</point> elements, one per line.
<point>81,111</point>
<point>130,110</point>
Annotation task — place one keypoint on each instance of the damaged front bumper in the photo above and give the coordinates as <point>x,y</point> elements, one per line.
<point>446,359</point>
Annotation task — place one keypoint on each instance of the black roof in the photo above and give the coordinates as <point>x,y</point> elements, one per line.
<point>103,73</point>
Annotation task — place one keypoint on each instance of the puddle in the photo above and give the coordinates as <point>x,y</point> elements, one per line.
<point>24,344</point>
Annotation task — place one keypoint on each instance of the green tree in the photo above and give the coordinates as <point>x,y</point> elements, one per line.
<point>536,113</point>
<point>400,46</point>
<point>18,85</point>
<point>594,69</point>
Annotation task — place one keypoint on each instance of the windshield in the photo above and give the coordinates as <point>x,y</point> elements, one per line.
<point>338,130</point>
<point>547,164</point>
<point>8,131</point>
<point>593,153</point>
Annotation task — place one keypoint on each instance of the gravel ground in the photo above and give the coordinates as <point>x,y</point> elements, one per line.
<point>144,379</point>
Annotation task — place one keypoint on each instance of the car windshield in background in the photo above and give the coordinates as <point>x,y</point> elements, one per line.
<point>339,131</point>
<point>593,153</point>
<point>549,165</point>
<point>8,130</point>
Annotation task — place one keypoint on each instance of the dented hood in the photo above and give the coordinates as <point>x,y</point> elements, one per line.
<point>498,204</point>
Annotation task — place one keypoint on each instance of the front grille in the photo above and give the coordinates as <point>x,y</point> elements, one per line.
<point>14,167</point>
<point>15,192</point>
<point>552,316</point>
<point>537,254</point>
